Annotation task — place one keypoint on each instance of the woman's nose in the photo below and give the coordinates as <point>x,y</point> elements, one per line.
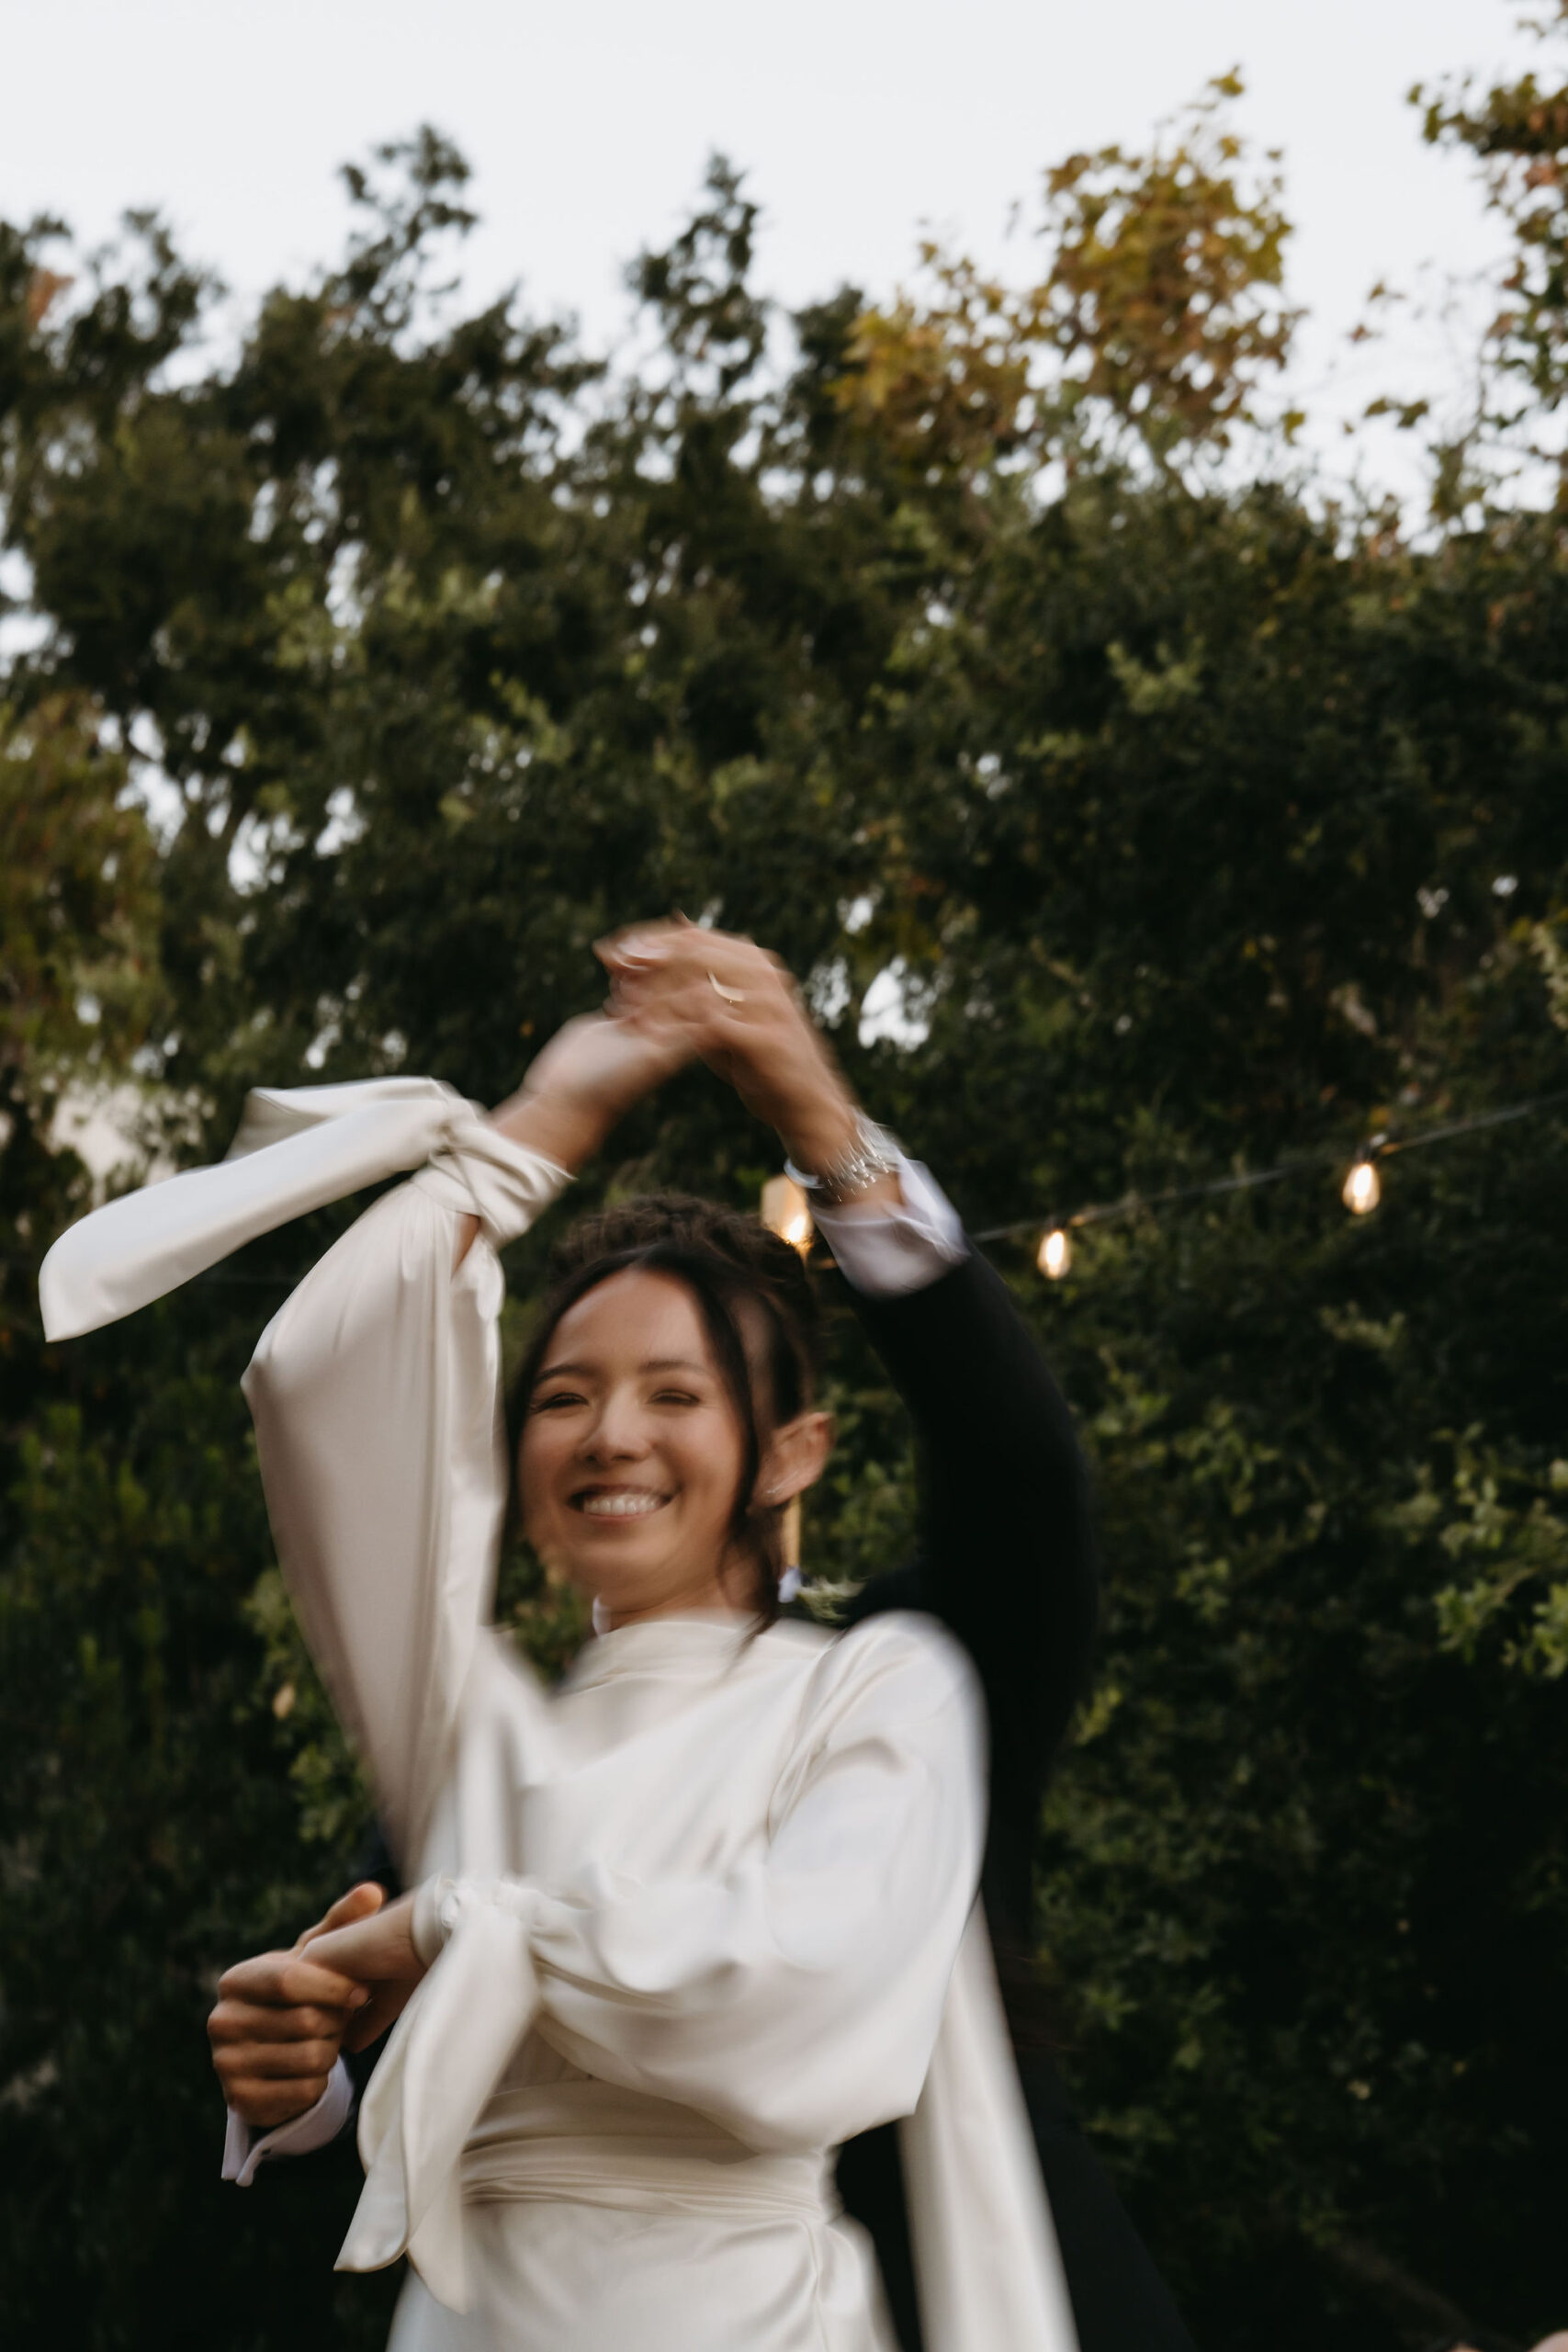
<point>615,1436</point>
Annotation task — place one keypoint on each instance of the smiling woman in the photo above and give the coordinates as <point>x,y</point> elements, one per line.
<point>665,1410</point>
<point>682,1929</point>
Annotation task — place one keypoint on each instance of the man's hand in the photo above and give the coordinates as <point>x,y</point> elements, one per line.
<point>281,2021</point>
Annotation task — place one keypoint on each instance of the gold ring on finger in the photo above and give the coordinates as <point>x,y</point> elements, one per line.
<point>729,996</point>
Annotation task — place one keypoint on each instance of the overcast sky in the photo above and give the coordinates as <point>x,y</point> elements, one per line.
<point>588,126</point>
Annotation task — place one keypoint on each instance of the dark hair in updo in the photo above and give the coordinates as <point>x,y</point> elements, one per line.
<point>726,1262</point>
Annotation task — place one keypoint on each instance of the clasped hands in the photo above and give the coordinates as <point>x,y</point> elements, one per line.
<point>679,993</point>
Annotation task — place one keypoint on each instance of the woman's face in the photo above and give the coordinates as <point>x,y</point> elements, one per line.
<point>632,1451</point>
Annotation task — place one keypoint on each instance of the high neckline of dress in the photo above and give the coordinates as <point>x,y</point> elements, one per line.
<point>694,1644</point>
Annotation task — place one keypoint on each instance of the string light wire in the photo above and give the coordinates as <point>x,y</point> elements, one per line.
<point>1377,1147</point>
<point>1057,1229</point>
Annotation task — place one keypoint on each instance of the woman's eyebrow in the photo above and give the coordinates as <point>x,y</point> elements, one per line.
<point>674,1363</point>
<point>551,1371</point>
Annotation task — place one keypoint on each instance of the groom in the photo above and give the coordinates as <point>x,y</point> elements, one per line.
<point>1004,1558</point>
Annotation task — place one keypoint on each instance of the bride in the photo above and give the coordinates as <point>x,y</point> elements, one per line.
<point>682,1927</point>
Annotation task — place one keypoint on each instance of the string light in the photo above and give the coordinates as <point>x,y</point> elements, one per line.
<point>1054,1256</point>
<point>787,1211</point>
<point>1362,1189</point>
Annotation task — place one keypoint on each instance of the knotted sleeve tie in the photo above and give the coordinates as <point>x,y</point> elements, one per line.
<point>448,2052</point>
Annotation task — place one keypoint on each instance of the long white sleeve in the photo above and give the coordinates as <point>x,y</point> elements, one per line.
<point>376,1397</point>
<point>794,2000</point>
<point>374,1391</point>
<point>297,1149</point>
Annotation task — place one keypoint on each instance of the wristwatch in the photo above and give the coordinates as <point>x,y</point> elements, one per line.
<point>872,1152</point>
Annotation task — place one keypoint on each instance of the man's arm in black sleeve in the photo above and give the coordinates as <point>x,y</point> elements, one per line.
<point>1005,1551</point>
<point>1006,1559</point>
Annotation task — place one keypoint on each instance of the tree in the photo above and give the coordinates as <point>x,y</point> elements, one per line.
<point>1196,828</point>
<point>1518,132</point>
<point>1159,314</point>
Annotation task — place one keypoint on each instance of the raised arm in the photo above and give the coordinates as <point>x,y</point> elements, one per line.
<point>376,1397</point>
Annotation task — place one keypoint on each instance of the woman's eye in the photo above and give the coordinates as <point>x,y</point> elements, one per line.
<point>557,1396</point>
<point>675,1397</point>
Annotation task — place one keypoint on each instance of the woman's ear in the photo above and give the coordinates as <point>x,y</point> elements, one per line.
<point>795,1458</point>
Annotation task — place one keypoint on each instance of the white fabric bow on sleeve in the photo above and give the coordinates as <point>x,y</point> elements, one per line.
<point>297,1150</point>
<point>446,2055</point>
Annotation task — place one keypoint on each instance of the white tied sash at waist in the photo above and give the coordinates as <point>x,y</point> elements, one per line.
<point>649,2177</point>
<point>591,2143</point>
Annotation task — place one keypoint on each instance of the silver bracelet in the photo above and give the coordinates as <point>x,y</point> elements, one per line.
<point>873,1153</point>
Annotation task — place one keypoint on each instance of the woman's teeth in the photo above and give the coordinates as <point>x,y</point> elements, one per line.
<point>628,1504</point>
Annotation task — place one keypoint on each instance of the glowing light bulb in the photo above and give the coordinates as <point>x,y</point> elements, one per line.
<point>1363,1189</point>
<point>1055,1254</point>
<point>787,1211</point>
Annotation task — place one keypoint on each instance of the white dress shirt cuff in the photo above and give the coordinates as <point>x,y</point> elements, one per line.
<point>888,1251</point>
<point>245,2149</point>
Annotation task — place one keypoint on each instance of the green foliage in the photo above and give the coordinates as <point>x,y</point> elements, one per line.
<point>1195,829</point>
<point>1511,1549</point>
<point>78,902</point>
<point>1518,132</point>
<point>1157,315</point>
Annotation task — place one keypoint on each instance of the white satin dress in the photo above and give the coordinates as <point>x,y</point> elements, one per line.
<point>692,1920</point>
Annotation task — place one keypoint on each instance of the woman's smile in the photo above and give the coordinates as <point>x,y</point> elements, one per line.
<point>618,1502</point>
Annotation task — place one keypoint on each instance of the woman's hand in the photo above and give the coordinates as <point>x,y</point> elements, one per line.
<point>590,1074</point>
<point>741,1012</point>
<point>377,1952</point>
<point>592,1071</point>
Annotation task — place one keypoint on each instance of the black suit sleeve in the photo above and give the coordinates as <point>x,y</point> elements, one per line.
<point>1006,1553</point>
<point>1006,1560</point>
